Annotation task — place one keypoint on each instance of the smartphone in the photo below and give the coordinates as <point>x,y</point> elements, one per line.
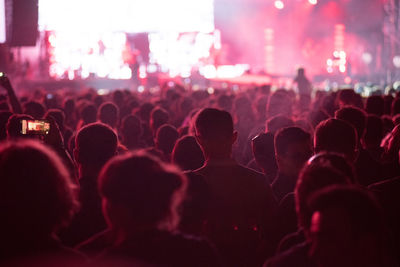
<point>41,127</point>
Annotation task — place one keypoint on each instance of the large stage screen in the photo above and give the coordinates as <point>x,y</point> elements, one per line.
<point>129,16</point>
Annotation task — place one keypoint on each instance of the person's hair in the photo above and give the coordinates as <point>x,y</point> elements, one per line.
<point>158,117</point>
<point>166,137</point>
<point>36,193</point>
<point>96,143</point>
<point>187,153</point>
<point>150,190</point>
<point>214,124</point>
<point>375,105</point>
<point>88,113</point>
<point>14,126</point>
<point>336,136</point>
<point>58,116</point>
<point>358,204</point>
<point>108,113</point>
<point>355,116</point>
<point>131,126</point>
<point>285,137</point>
<point>316,174</point>
<point>278,122</point>
<point>279,103</point>
<point>316,116</point>
<point>373,130</point>
<point>34,109</point>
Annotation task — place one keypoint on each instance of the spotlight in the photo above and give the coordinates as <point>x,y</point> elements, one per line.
<point>279,4</point>
<point>396,61</point>
<point>313,2</point>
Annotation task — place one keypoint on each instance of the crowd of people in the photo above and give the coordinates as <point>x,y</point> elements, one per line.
<point>181,177</point>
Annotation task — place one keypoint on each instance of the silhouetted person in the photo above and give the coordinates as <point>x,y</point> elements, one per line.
<point>108,113</point>
<point>375,105</point>
<point>37,199</point>
<point>158,117</point>
<point>373,136</point>
<point>335,135</point>
<point>348,229</point>
<point>368,170</point>
<point>34,109</point>
<point>278,122</point>
<point>303,84</point>
<point>131,131</point>
<point>240,218</point>
<point>187,153</point>
<point>293,148</point>
<point>165,139</point>
<point>318,173</point>
<point>141,197</point>
<point>88,113</point>
<point>96,143</point>
<point>264,156</point>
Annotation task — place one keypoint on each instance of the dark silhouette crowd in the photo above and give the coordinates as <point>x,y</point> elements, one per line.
<point>182,177</point>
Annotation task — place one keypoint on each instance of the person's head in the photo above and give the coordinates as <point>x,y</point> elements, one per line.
<point>14,126</point>
<point>279,103</point>
<point>187,153</point>
<point>375,105</point>
<point>336,135</point>
<point>347,228</point>
<point>264,152</point>
<point>293,148</point>
<point>131,128</point>
<point>58,116</point>
<point>88,113</point>
<point>316,116</point>
<point>373,132</point>
<point>300,72</point>
<point>278,122</point>
<point>214,132</point>
<point>158,117</point>
<point>95,144</point>
<point>348,97</point>
<point>36,192</point>
<point>34,109</point>
<point>140,192</point>
<point>354,116</point>
<point>322,170</point>
<point>166,137</point>
<point>108,113</point>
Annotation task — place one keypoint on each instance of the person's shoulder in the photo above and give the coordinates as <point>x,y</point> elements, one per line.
<point>386,185</point>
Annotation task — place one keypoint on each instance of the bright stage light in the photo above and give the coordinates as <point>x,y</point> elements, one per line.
<point>279,4</point>
<point>93,40</point>
<point>313,2</point>
<point>127,15</point>
<point>396,61</point>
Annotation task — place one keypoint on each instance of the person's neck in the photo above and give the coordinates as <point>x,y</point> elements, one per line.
<point>89,170</point>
